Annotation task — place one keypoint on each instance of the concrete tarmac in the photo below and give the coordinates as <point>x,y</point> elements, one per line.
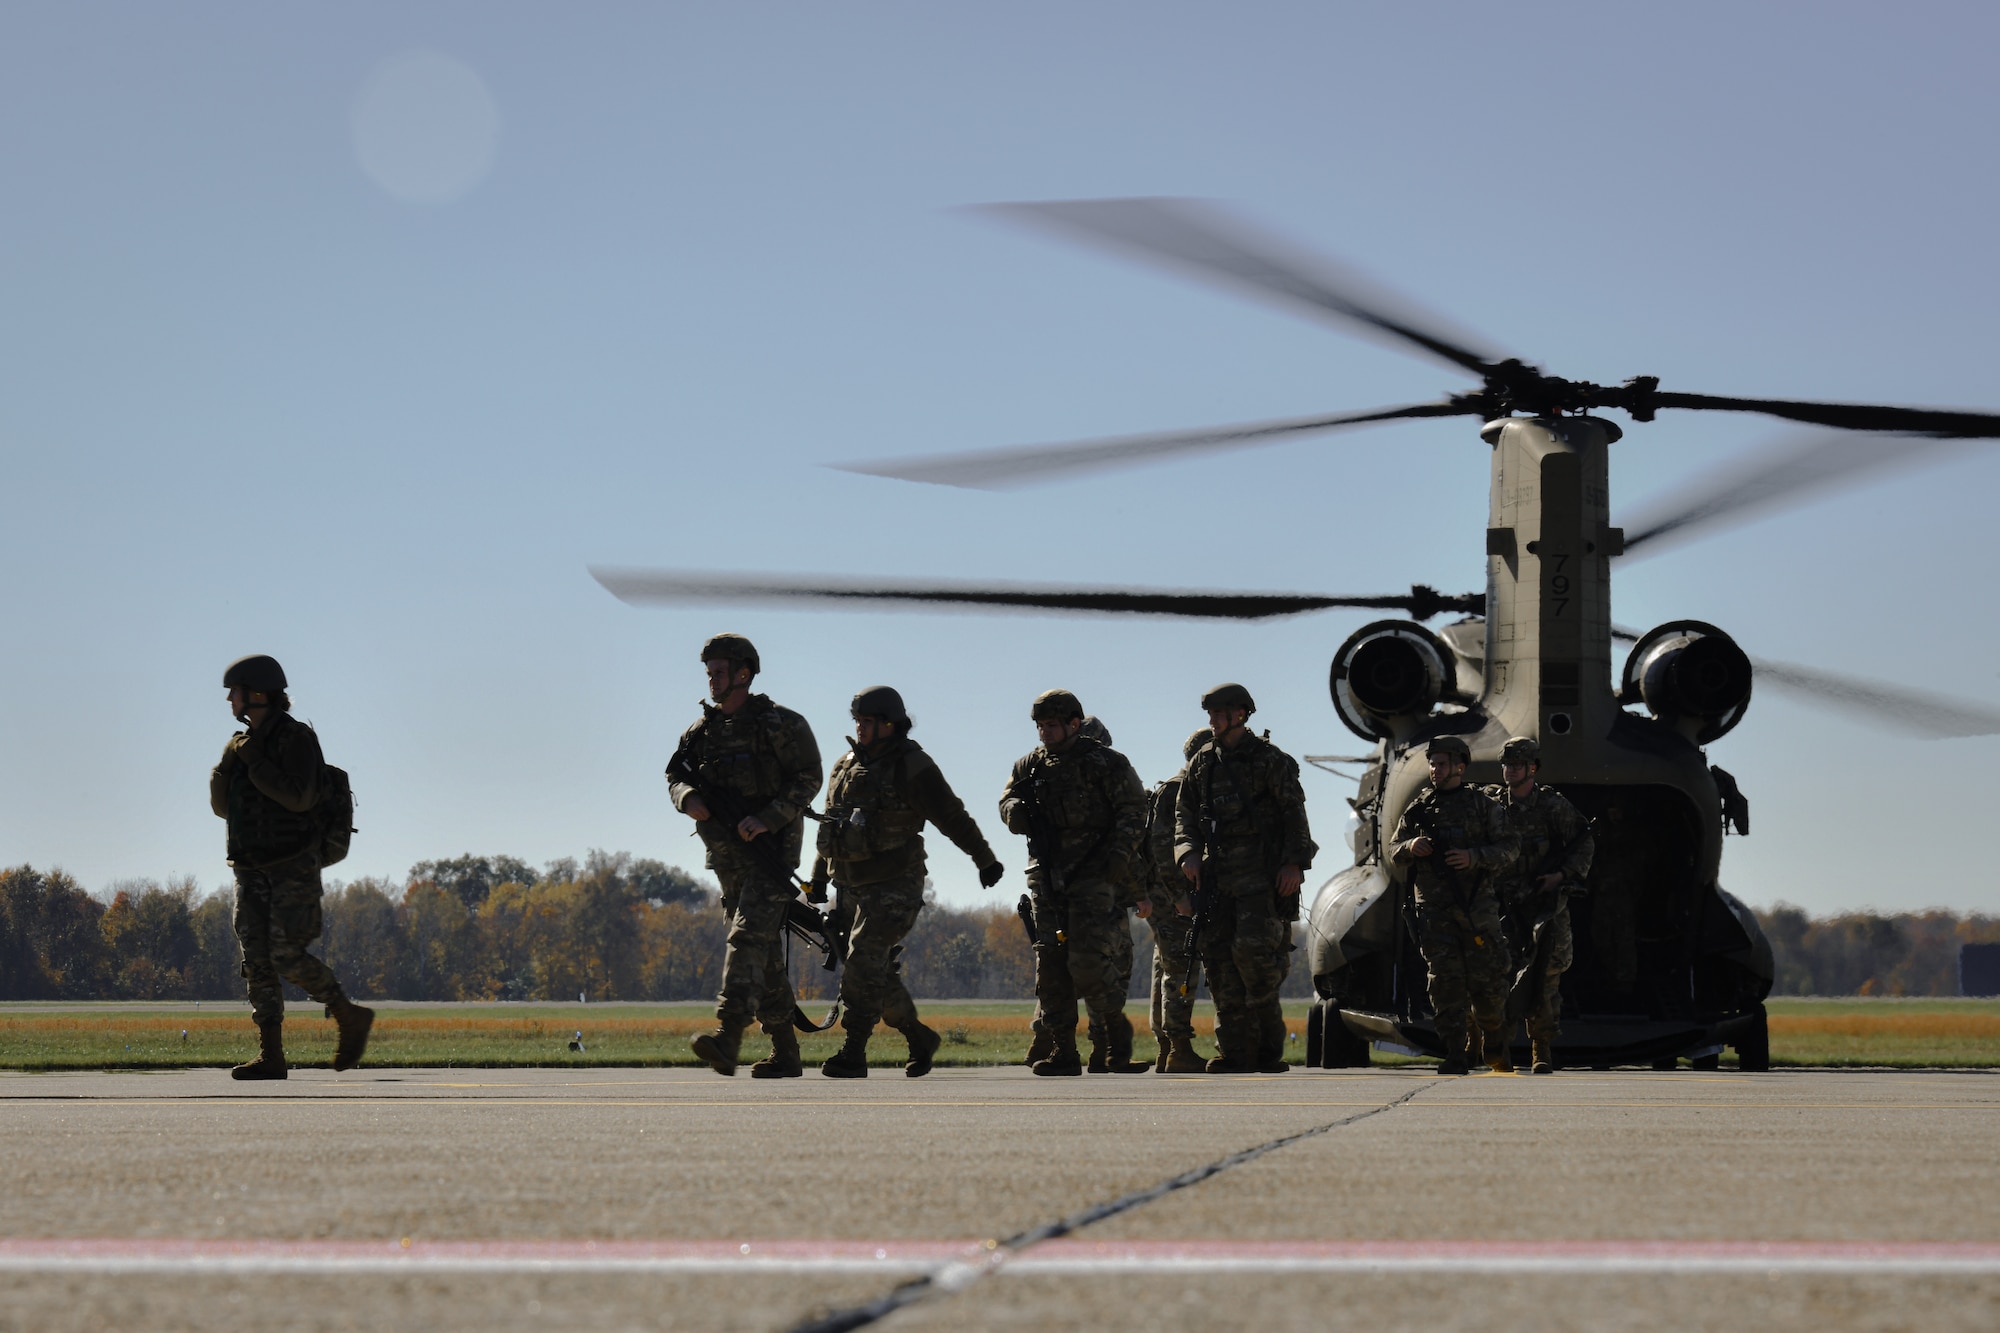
<point>677,1199</point>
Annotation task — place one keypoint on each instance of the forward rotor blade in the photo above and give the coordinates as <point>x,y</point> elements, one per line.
<point>1787,474</point>
<point>1028,464</point>
<point>1200,237</point>
<point>1849,416</point>
<point>1887,707</point>
<point>642,587</point>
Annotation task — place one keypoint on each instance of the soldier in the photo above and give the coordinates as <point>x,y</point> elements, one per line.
<point>1173,1011</point>
<point>743,772</point>
<point>1451,841</point>
<point>266,787</point>
<point>1241,839</point>
<point>1553,858</point>
<point>871,844</point>
<point>1084,813</point>
<point>1132,897</point>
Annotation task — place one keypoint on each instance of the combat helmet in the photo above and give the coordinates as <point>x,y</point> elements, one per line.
<point>1230,695</point>
<point>879,701</point>
<point>258,673</point>
<point>1195,741</point>
<point>1451,745</point>
<point>1055,705</point>
<point>732,648</point>
<point>1521,750</point>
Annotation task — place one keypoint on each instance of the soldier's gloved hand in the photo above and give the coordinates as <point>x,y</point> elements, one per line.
<point>990,873</point>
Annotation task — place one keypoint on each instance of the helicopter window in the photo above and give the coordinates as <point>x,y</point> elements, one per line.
<point>1559,723</point>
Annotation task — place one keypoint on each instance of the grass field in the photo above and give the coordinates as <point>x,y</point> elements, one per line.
<point>1851,1032</point>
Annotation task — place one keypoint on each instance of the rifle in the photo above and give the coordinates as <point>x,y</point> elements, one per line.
<point>1526,992</point>
<point>1205,894</point>
<point>802,919</point>
<point>1045,846</point>
<point>1422,820</point>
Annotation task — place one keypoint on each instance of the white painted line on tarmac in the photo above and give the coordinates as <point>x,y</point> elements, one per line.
<point>1056,1258</point>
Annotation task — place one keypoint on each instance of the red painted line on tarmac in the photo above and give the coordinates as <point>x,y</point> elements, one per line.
<point>1052,1258</point>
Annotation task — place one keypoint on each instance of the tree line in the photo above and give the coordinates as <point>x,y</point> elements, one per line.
<point>616,927</point>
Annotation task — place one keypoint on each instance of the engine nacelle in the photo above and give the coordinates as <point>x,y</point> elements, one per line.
<point>1691,676</point>
<point>1388,677</point>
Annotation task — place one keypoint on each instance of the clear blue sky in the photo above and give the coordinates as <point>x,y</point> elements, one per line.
<point>354,333</point>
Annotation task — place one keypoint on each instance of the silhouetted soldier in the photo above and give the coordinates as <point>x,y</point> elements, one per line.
<point>266,787</point>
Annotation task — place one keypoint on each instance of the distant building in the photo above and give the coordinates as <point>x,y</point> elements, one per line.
<point>1979,969</point>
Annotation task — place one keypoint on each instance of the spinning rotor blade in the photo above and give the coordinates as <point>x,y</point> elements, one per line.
<point>639,587</point>
<point>1787,474</point>
<point>1847,416</point>
<point>1929,716</point>
<point>1019,465</point>
<point>1888,707</point>
<point>1201,237</point>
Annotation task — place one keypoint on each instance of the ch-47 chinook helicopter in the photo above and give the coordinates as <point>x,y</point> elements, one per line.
<point>1531,656</point>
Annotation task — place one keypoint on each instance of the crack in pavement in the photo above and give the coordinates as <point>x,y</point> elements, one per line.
<point>955,1277</point>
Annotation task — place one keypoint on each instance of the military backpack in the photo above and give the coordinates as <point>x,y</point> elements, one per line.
<point>333,815</point>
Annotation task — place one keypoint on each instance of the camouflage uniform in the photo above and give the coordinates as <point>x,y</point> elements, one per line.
<point>1242,809</point>
<point>871,843</point>
<point>1544,824</point>
<point>766,756</point>
<point>1173,1012</point>
<point>265,786</point>
<point>1097,807</point>
<point>1458,917</point>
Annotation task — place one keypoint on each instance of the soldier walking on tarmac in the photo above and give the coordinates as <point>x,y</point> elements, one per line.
<point>1174,966</point>
<point>1083,810</point>
<point>743,772</point>
<point>1451,841</point>
<point>871,845</point>
<point>1554,856</point>
<point>269,781</point>
<point>1243,844</point>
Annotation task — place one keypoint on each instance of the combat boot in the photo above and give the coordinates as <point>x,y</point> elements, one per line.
<point>1118,1048</point>
<point>353,1022</point>
<point>270,1061</point>
<point>1545,1056</point>
<point>783,1061</point>
<point>1099,1062</point>
<point>851,1060</point>
<point>1041,1048</point>
<point>1499,1053</point>
<point>1062,1062</point>
<point>924,1042</point>
<point>1454,1053</point>
<point>718,1049</point>
<point>1180,1057</point>
<point>1229,1063</point>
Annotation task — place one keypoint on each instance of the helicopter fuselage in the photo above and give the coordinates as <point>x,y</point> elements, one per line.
<point>1667,963</point>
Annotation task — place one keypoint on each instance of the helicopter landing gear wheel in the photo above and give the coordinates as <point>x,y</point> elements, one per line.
<point>1315,1035</point>
<point>1706,1061</point>
<point>1666,1064</point>
<point>1753,1048</point>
